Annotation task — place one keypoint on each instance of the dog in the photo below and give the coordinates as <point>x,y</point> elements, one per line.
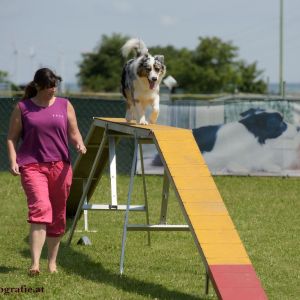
<point>261,141</point>
<point>140,82</point>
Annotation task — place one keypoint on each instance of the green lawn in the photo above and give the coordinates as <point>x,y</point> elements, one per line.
<point>264,210</point>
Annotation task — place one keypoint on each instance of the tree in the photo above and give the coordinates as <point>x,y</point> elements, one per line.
<point>216,65</point>
<point>4,79</point>
<point>248,79</point>
<point>179,64</point>
<point>101,70</point>
<point>211,68</point>
<point>3,76</point>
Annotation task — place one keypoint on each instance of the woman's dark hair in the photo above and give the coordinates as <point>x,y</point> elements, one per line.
<point>44,78</point>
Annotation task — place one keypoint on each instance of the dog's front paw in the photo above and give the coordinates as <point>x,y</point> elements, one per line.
<point>142,121</point>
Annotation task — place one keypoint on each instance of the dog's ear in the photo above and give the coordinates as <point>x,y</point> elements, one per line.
<point>160,58</point>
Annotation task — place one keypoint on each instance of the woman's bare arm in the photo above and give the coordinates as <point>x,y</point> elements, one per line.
<point>14,132</point>
<point>73,131</point>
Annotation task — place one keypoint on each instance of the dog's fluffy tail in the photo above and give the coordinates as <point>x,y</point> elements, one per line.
<point>136,45</point>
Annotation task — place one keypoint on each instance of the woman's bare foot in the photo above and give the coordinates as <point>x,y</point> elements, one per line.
<point>52,268</point>
<point>34,271</point>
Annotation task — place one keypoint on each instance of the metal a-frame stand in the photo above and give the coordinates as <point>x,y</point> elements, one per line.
<point>113,206</point>
<point>111,138</point>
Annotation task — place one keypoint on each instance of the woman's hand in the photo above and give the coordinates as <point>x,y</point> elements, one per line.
<point>14,169</point>
<point>81,148</point>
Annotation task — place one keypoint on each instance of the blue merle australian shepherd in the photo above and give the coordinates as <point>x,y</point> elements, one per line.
<point>141,78</point>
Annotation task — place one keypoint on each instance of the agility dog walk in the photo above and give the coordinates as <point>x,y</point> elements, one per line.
<point>224,256</point>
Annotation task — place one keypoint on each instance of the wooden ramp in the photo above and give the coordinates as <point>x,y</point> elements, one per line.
<point>214,233</point>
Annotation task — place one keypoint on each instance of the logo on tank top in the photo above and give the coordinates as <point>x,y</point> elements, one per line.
<point>57,116</point>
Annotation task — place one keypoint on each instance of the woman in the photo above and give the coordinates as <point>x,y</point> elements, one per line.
<point>45,123</point>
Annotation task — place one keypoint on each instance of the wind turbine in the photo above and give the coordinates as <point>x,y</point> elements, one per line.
<point>16,63</point>
<point>32,55</point>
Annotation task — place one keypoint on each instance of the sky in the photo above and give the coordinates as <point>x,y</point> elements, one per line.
<point>54,34</point>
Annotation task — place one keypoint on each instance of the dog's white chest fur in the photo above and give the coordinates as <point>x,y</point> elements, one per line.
<point>142,93</point>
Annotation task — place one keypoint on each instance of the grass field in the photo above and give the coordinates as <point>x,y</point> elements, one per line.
<point>264,210</point>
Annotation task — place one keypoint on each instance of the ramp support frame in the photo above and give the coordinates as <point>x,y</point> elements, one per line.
<point>109,139</point>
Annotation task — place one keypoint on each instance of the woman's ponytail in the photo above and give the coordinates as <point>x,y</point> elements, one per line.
<point>30,90</point>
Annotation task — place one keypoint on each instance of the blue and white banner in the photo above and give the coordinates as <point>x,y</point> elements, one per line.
<point>237,137</point>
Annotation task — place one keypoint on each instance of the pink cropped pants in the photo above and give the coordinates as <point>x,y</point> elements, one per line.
<point>47,187</point>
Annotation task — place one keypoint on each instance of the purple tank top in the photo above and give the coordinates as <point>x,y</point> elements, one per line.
<point>44,132</point>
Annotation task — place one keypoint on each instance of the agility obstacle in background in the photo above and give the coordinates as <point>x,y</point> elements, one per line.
<point>224,256</point>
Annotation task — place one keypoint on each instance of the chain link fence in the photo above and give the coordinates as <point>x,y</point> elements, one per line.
<point>85,110</point>
<point>180,113</point>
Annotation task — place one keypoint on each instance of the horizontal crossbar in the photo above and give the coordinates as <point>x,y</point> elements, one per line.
<point>160,227</point>
<point>83,178</point>
<point>112,207</point>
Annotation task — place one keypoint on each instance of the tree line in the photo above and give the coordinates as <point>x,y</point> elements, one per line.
<point>212,67</point>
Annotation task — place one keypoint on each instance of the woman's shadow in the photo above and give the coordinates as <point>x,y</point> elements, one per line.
<point>6,269</point>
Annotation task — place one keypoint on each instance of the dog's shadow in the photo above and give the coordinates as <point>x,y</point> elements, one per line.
<point>94,271</point>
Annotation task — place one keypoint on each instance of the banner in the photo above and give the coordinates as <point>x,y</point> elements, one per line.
<point>237,136</point>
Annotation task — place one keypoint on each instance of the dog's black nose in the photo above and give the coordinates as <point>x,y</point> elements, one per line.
<point>154,78</point>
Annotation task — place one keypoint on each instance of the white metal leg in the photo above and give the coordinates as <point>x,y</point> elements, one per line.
<point>85,212</point>
<point>145,191</point>
<point>133,169</point>
<point>165,200</point>
<point>87,186</point>
<point>113,171</point>
<point>85,209</point>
